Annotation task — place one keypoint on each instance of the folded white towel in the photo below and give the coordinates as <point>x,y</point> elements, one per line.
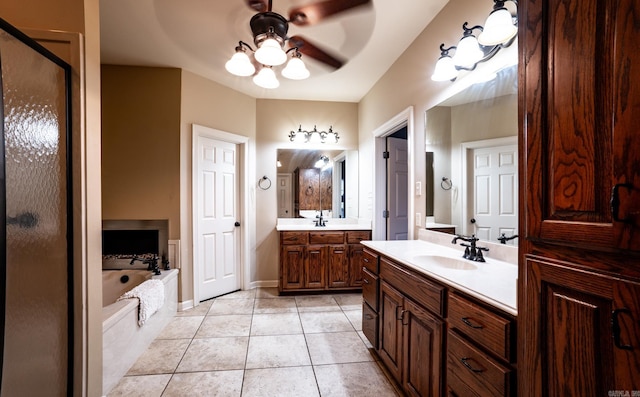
<point>151,296</point>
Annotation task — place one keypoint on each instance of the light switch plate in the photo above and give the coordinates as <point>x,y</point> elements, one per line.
<point>418,219</point>
<point>418,188</point>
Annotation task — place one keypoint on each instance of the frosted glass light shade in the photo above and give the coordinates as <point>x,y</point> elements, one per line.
<point>240,65</point>
<point>266,78</point>
<point>468,52</point>
<point>295,69</point>
<point>270,53</point>
<point>498,29</point>
<point>444,70</point>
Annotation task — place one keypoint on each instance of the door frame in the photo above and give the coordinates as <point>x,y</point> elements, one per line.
<point>404,118</point>
<point>244,217</point>
<point>466,149</point>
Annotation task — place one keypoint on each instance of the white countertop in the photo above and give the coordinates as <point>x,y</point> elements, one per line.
<point>494,281</point>
<point>301,224</point>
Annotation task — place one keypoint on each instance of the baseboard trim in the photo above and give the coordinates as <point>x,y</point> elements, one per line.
<point>186,305</point>
<point>263,284</point>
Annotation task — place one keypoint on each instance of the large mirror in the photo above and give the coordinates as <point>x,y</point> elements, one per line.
<point>313,180</point>
<point>472,154</point>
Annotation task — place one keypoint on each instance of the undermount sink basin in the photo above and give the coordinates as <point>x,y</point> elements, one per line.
<point>445,262</point>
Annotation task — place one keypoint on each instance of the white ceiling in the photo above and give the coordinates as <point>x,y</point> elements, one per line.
<point>200,36</point>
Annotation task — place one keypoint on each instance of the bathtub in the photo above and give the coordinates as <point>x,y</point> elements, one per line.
<point>123,341</point>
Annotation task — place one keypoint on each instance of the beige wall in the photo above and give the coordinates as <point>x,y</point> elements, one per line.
<point>141,144</point>
<point>408,83</point>
<point>78,17</point>
<point>275,118</point>
<point>212,105</point>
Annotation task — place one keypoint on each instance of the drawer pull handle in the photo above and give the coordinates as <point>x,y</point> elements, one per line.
<point>465,362</point>
<point>470,324</point>
<point>615,325</point>
<point>368,316</point>
<point>365,281</point>
<point>366,260</point>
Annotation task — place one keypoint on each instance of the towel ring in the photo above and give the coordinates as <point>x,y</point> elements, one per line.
<point>264,185</point>
<point>446,183</point>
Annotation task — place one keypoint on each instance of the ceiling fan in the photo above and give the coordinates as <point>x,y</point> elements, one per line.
<point>270,34</point>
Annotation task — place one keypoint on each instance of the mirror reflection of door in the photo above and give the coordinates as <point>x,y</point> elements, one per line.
<point>397,187</point>
<point>285,192</point>
<point>494,192</point>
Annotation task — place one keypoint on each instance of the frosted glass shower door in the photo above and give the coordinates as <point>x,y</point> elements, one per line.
<point>35,245</point>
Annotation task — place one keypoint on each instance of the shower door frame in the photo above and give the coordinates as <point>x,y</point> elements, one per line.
<point>22,37</point>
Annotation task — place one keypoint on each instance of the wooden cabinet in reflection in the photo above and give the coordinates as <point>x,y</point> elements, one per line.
<point>312,190</point>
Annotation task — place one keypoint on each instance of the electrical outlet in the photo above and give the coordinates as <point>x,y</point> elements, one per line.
<point>418,219</point>
<point>418,188</point>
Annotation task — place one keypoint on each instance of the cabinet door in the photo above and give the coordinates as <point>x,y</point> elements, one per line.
<point>580,97</point>
<point>422,347</point>
<point>355,264</point>
<point>309,189</point>
<point>315,269</point>
<point>391,306</point>
<point>587,327</point>
<point>292,266</point>
<point>338,266</point>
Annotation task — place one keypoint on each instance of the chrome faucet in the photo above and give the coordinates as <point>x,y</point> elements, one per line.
<point>471,251</point>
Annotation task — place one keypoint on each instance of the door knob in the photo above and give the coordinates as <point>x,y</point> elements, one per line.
<point>473,220</point>
<point>236,224</point>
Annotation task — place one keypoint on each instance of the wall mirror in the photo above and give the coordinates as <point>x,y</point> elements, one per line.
<point>314,180</point>
<point>471,139</point>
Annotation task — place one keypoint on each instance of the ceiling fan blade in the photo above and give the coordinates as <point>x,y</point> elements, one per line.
<point>314,52</point>
<point>258,5</point>
<point>314,13</point>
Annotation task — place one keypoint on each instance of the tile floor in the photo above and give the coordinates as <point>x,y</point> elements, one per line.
<point>256,343</point>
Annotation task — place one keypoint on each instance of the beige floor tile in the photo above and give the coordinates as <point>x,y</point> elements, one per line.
<point>337,348</point>
<point>221,326</point>
<point>181,327</point>
<point>276,324</point>
<point>140,386</point>
<point>210,384</point>
<point>214,354</point>
<point>325,322</point>
<point>269,292</point>
<point>356,379</point>
<point>281,382</point>
<point>246,294</point>
<point>317,303</point>
<point>355,318</point>
<point>231,306</point>
<point>274,351</point>
<point>200,310</point>
<point>271,305</point>
<point>349,301</point>
<point>161,357</point>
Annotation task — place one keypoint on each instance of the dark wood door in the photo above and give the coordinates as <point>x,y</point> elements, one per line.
<point>391,306</point>
<point>292,265</point>
<point>338,266</point>
<point>587,327</point>
<point>315,268</point>
<point>355,264</point>
<point>581,97</point>
<point>422,348</point>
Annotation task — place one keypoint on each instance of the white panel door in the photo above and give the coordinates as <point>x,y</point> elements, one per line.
<point>216,250</point>
<point>285,196</point>
<point>495,191</point>
<point>397,189</point>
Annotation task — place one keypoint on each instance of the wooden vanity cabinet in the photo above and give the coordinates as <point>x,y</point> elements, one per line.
<point>370,302</point>
<point>319,260</point>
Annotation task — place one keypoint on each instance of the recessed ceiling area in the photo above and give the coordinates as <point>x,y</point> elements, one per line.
<point>200,36</point>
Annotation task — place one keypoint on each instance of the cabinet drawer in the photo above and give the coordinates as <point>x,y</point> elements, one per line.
<point>290,238</point>
<point>370,288</point>
<point>370,262</point>
<point>355,236</point>
<point>427,293</point>
<point>326,237</point>
<point>471,372</point>
<point>370,324</point>
<point>480,325</point>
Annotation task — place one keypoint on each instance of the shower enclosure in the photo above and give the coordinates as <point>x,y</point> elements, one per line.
<point>36,277</point>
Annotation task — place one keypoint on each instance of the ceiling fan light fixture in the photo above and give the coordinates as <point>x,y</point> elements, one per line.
<point>266,78</point>
<point>270,51</point>
<point>296,69</point>
<point>240,64</point>
<point>498,29</point>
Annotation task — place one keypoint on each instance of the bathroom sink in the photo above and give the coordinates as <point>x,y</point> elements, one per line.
<point>445,262</point>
